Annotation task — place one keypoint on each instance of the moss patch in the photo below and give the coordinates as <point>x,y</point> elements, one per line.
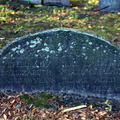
<point>39,100</point>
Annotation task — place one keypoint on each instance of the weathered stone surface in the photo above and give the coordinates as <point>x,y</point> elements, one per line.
<point>61,60</point>
<point>61,3</point>
<point>112,5</point>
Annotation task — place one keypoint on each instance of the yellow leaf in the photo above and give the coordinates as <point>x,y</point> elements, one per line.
<point>12,12</point>
<point>33,111</point>
<point>90,106</point>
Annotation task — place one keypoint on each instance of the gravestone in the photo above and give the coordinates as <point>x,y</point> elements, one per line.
<point>60,3</point>
<point>61,60</point>
<point>32,1</point>
<point>110,5</point>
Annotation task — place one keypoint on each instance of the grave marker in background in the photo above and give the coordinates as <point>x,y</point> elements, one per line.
<point>32,1</point>
<point>110,5</point>
<point>61,60</point>
<point>60,3</point>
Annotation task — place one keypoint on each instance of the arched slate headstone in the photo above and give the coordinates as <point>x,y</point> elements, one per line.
<point>61,60</point>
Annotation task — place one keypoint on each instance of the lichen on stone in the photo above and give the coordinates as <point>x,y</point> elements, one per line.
<point>32,46</point>
<point>16,48</point>
<point>97,48</point>
<point>36,55</point>
<point>52,51</point>
<point>22,51</point>
<point>38,51</point>
<point>27,43</point>
<point>59,44</point>
<point>83,54</point>
<point>104,51</point>
<point>71,47</point>
<point>45,44</point>
<point>60,48</point>
<point>35,42</point>
<point>83,47</point>
<point>47,49</point>
<point>86,58</point>
<point>90,43</point>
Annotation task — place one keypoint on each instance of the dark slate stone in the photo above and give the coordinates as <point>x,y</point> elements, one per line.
<point>61,60</point>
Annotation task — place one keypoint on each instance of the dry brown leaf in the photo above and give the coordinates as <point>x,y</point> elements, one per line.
<point>5,105</point>
<point>83,118</point>
<point>96,110</point>
<point>24,116</point>
<point>16,118</point>
<point>12,101</point>
<point>62,107</point>
<point>10,113</point>
<point>43,115</point>
<point>33,111</point>
<point>102,113</point>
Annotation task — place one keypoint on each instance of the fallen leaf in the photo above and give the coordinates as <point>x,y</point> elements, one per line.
<point>90,106</point>
<point>102,113</point>
<point>5,116</point>
<point>12,101</point>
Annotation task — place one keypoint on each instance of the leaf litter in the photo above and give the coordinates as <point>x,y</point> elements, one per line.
<point>14,107</point>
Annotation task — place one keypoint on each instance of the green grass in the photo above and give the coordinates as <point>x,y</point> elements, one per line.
<point>17,19</point>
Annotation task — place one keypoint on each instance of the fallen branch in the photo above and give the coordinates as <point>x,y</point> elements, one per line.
<point>97,9</point>
<point>102,8</point>
<point>74,108</point>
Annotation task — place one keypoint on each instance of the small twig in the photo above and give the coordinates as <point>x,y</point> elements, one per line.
<point>97,9</point>
<point>74,108</point>
<point>102,8</point>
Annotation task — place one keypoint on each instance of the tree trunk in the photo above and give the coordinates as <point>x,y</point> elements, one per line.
<point>109,5</point>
